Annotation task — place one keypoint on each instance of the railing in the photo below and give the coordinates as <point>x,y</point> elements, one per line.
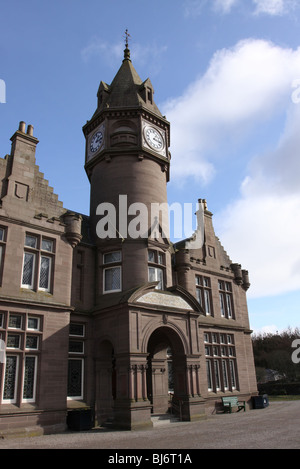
<point>176,406</point>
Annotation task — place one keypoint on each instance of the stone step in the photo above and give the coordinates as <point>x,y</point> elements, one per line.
<point>163,419</point>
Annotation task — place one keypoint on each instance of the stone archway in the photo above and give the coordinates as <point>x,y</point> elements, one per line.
<point>166,371</point>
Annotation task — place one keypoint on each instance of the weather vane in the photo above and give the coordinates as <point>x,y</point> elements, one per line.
<point>127,36</point>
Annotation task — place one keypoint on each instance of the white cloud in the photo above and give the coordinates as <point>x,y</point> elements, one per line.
<point>224,6</point>
<point>274,7</point>
<point>262,228</point>
<point>243,91</point>
<point>99,48</point>
<point>113,53</point>
<point>243,86</point>
<point>195,7</point>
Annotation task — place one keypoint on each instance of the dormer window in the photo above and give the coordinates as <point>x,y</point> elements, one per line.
<point>149,93</point>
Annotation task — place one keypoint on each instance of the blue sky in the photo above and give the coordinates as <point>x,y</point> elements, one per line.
<point>226,74</point>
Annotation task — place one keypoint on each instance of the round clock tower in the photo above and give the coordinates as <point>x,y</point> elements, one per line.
<point>127,163</point>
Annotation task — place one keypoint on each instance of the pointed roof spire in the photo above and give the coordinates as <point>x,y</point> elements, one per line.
<point>127,90</point>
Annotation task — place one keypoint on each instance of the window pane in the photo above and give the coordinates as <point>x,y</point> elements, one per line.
<point>47,245</point>
<point>28,269</point>
<point>111,257</point>
<point>225,376</point>
<point>208,371</point>
<point>151,256</point>
<point>151,272</point>
<point>1,234</point>
<point>33,323</point>
<point>112,279</point>
<point>31,241</point>
<point>76,346</point>
<point>160,279</point>
<point>232,373</point>
<point>45,273</point>
<point>31,342</point>
<point>229,306</point>
<point>15,321</point>
<point>207,301</point>
<point>13,341</point>
<point>217,374</point>
<point>75,378</point>
<point>29,378</point>
<point>199,296</point>
<point>222,304</point>
<point>10,378</point>
<point>76,329</point>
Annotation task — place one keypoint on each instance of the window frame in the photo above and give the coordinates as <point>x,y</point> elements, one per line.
<point>204,294</point>
<point>33,398</point>
<point>222,366</point>
<point>226,299</point>
<point>38,253</point>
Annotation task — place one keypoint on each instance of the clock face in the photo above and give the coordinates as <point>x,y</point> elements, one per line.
<point>96,141</point>
<point>154,138</point>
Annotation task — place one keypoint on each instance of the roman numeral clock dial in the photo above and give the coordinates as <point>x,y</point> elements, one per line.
<point>154,139</point>
<point>95,142</point>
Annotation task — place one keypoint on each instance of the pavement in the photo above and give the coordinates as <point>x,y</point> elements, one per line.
<point>274,427</point>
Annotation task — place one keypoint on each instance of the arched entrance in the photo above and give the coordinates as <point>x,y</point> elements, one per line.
<point>166,368</point>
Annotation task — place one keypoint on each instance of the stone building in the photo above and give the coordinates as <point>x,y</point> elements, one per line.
<point>102,311</point>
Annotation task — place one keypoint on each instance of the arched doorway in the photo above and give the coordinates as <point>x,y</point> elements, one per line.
<point>166,368</point>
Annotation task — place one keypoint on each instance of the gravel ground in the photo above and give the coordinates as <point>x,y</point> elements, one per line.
<point>275,427</point>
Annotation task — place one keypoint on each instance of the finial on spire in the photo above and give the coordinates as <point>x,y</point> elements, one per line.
<point>126,51</point>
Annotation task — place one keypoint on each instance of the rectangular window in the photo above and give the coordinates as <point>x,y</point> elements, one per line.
<point>37,267</point>
<point>225,375</point>
<point>28,270</point>
<point>155,274</point>
<point>76,346</point>
<point>76,364</point>
<point>220,363</point>
<point>232,373</point>
<point>226,300</point>
<point>33,324</point>
<point>203,293</point>
<point>208,373</point>
<point>76,329</point>
<point>3,237</point>
<point>10,379</point>
<point>13,341</point>
<point>15,321</point>
<point>23,334</point>
<point>75,378</point>
<point>29,384</point>
<point>32,342</point>
<point>217,374</point>
<point>31,241</point>
<point>45,272</point>
<point>112,257</point>
<point>112,279</point>
<point>112,276</point>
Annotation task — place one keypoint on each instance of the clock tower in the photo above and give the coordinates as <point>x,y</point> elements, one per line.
<point>142,322</point>
<point>127,162</point>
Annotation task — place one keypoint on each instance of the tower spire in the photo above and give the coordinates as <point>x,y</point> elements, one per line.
<point>126,51</point>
